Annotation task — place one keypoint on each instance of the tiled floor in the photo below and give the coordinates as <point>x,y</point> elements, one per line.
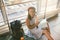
<point>55,27</point>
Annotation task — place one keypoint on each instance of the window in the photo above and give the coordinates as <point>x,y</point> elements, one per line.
<point>1,19</point>
<point>51,5</point>
<point>20,8</point>
<point>11,2</point>
<point>47,5</point>
<point>19,11</point>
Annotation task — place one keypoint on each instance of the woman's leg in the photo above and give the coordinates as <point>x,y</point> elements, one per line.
<point>47,34</point>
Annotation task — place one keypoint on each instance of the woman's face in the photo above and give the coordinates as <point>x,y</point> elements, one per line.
<point>31,12</point>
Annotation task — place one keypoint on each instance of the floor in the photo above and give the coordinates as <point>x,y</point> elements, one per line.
<point>55,27</point>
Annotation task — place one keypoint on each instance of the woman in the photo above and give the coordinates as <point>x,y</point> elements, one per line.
<point>32,23</point>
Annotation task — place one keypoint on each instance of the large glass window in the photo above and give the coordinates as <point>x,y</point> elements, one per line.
<point>1,19</point>
<point>19,11</point>
<point>49,5</point>
<point>11,2</point>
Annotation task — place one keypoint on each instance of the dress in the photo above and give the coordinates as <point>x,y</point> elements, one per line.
<point>37,32</point>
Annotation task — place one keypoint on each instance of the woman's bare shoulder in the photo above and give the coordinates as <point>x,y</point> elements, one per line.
<point>27,20</point>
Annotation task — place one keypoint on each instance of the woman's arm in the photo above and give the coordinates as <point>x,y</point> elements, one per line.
<point>28,24</point>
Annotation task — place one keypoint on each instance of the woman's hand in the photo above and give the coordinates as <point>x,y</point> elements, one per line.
<point>37,21</point>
